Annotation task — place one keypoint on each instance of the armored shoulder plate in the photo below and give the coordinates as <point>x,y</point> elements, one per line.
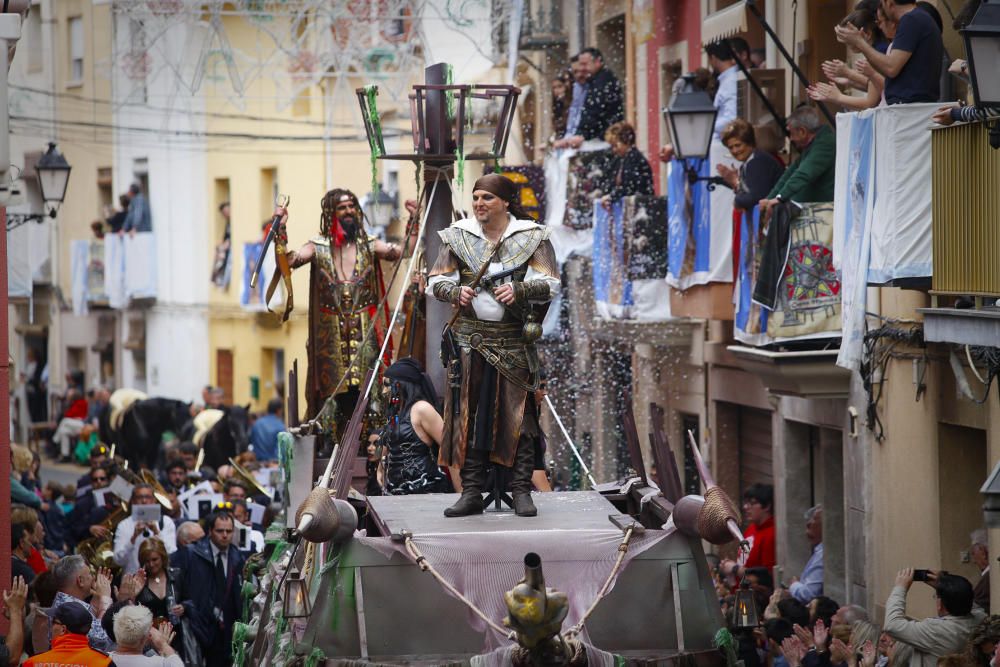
<point>473,250</point>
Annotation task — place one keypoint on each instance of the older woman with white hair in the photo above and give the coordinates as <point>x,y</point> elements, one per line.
<point>133,629</point>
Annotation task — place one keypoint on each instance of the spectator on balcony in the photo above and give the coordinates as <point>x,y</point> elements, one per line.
<point>758,170</point>
<point>741,50</point>
<point>946,90</point>
<point>758,508</point>
<point>574,111</point>
<point>117,219</point>
<point>723,64</point>
<point>562,99</point>
<point>874,7</point>
<point>810,177</point>
<point>912,65</point>
<point>722,60</point>
<point>757,58</point>
<point>603,104</point>
<point>979,552</point>
<point>139,218</point>
<point>629,172</point>
<point>839,73</point>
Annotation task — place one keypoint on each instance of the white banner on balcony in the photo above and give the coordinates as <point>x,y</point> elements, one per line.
<point>856,217</point>
<point>79,263</point>
<point>899,219</point>
<point>129,268</point>
<point>140,266</point>
<point>114,270</point>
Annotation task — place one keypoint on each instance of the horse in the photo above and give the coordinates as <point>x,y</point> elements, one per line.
<point>229,436</point>
<point>143,424</point>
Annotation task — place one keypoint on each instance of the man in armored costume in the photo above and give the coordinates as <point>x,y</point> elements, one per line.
<point>500,271</point>
<point>345,287</point>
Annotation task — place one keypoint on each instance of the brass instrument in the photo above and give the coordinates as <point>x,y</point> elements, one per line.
<point>241,473</point>
<point>166,505</point>
<point>159,492</point>
<point>100,551</point>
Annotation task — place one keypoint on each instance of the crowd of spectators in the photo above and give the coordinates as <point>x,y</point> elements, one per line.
<point>118,569</point>
<point>799,625</point>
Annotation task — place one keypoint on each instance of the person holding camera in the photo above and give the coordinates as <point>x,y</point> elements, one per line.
<point>921,643</point>
<point>131,533</point>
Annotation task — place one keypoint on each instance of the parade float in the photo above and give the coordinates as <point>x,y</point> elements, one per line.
<point>611,575</point>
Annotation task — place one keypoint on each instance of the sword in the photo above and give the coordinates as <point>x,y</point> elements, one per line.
<point>281,201</point>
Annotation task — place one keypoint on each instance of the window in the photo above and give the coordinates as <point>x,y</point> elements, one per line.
<point>33,40</point>
<point>76,50</point>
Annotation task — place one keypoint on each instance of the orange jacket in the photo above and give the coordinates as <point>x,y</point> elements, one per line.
<point>69,650</point>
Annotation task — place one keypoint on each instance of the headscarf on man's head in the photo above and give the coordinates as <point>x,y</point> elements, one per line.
<point>506,189</point>
<point>330,224</point>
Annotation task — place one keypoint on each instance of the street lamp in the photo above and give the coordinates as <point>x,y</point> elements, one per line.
<point>52,171</point>
<point>380,208</point>
<point>982,47</point>
<point>691,119</point>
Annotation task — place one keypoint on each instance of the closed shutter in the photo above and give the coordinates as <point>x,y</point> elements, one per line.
<point>755,447</point>
<point>224,374</point>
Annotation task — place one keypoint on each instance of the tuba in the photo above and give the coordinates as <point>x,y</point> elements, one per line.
<point>244,475</point>
<point>100,551</point>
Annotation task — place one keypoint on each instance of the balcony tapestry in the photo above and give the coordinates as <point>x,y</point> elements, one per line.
<point>700,224</point>
<point>808,296</point>
<point>629,259</point>
<point>254,299</point>
<point>568,211</point>
<point>530,180</point>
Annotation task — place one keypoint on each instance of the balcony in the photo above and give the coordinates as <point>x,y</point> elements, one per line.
<point>966,237</point>
<point>114,272</point>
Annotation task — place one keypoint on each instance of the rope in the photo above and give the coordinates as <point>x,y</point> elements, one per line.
<point>424,566</point>
<point>622,550</point>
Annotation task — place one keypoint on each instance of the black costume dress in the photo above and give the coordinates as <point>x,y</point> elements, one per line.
<point>411,466</point>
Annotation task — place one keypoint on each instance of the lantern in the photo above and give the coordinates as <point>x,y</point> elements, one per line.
<point>691,119</point>
<point>53,175</point>
<point>982,47</point>
<point>295,602</point>
<point>745,608</point>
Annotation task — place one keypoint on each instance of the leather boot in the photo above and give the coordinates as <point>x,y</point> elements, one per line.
<point>473,476</point>
<point>520,485</point>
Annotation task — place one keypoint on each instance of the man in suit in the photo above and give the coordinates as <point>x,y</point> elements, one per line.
<point>980,555</point>
<point>603,106</point>
<point>212,609</point>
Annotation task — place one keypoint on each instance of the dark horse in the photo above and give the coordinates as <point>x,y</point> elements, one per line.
<point>143,424</point>
<point>229,437</point>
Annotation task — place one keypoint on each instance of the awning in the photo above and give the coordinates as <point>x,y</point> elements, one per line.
<point>724,23</point>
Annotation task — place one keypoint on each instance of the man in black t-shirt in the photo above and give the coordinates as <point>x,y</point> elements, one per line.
<point>912,66</point>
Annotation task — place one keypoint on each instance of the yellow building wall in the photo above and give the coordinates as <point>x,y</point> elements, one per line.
<point>87,150</point>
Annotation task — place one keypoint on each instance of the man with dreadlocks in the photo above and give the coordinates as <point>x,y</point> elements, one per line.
<point>500,271</point>
<point>345,289</point>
